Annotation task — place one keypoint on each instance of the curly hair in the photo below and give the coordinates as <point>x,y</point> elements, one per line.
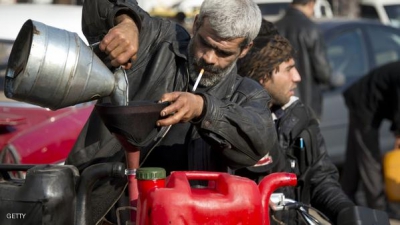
<point>267,53</point>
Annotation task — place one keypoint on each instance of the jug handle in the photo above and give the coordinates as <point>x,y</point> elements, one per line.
<point>185,176</point>
<point>200,175</point>
<point>269,184</point>
<point>120,95</point>
<point>95,49</point>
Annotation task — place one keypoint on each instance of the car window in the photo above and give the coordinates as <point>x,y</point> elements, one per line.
<point>393,12</point>
<point>323,10</point>
<point>273,8</point>
<point>347,53</point>
<point>368,12</point>
<point>385,44</point>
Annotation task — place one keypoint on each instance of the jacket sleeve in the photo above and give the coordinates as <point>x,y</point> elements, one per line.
<point>162,43</point>
<point>98,18</point>
<point>396,106</point>
<point>318,59</point>
<point>241,127</point>
<point>326,192</point>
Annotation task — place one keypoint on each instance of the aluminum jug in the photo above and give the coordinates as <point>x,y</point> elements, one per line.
<point>54,68</point>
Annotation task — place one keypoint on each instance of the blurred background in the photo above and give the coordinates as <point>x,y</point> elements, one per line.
<point>342,8</point>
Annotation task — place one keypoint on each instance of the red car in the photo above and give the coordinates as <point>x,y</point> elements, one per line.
<point>35,135</point>
<point>30,134</point>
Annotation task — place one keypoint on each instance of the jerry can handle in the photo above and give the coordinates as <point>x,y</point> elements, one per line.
<point>201,175</point>
<point>181,179</point>
<point>269,184</point>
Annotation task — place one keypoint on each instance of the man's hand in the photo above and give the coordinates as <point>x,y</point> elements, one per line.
<point>121,43</point>
<point>184,107</point>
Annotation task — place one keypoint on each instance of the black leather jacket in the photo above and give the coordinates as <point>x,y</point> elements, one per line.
<point>236,128</point>
<point>311,59</point>
<point>318,184</point>
<point>324,190</point>
<point>380,98</point>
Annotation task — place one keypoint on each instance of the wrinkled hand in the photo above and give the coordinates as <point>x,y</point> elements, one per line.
<point>184,107</point>
<point>121,43</point>
<point>397,142</point>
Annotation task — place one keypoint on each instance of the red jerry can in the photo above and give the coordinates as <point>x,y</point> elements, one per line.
<point>227,199</point>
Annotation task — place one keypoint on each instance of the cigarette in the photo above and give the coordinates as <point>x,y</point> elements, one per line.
<point>198,79</point>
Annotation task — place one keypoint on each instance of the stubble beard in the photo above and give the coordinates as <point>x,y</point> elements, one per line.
<point>212,75</point>
<point>277,98</point>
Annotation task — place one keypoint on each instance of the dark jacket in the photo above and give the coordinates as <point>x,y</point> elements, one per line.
<point>311,59</point>
<point>236,128</point>
<point>376,96</point>
<point>318,182</point>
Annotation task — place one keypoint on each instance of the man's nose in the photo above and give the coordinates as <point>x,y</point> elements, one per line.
<point>209,57</point>
<point>296,76</point>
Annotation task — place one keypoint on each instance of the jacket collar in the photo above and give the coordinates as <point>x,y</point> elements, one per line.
<point>279,111</point>
<point>292,11</point>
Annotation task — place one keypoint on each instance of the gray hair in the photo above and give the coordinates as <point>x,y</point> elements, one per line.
<point>232,18</point>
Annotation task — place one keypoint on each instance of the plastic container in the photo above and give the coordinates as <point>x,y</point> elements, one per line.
<point>46,196</point>
<point>227,199</point>
<point>148,179</point>
<point>391,171</point>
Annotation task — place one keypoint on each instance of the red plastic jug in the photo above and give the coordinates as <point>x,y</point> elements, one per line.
<point>227,199</point>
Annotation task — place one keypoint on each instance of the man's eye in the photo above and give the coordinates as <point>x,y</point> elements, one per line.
<point>223,54</point>
<point>204,43</point>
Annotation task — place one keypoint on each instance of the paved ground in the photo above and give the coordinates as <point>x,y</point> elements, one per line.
<point>394,222</point>
<point>3,98</point>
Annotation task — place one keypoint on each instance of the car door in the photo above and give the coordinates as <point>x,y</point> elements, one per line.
<point>347,55</point>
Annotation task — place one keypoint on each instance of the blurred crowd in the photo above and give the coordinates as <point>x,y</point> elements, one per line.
<point>347,8</point>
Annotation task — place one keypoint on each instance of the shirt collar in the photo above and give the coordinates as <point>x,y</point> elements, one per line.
<point>279,111</point>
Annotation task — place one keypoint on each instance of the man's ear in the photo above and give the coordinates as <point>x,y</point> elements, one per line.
<point>195,25</point>
<point>311,5</point>
<point>245,50</point>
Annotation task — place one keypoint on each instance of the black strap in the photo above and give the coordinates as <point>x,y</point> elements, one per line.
<point>307,151</point>
<point>305,160</point>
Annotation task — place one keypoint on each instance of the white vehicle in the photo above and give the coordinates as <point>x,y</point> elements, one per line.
<point>13,16</point>
<point>272,10</point>
<point>386,11</point>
